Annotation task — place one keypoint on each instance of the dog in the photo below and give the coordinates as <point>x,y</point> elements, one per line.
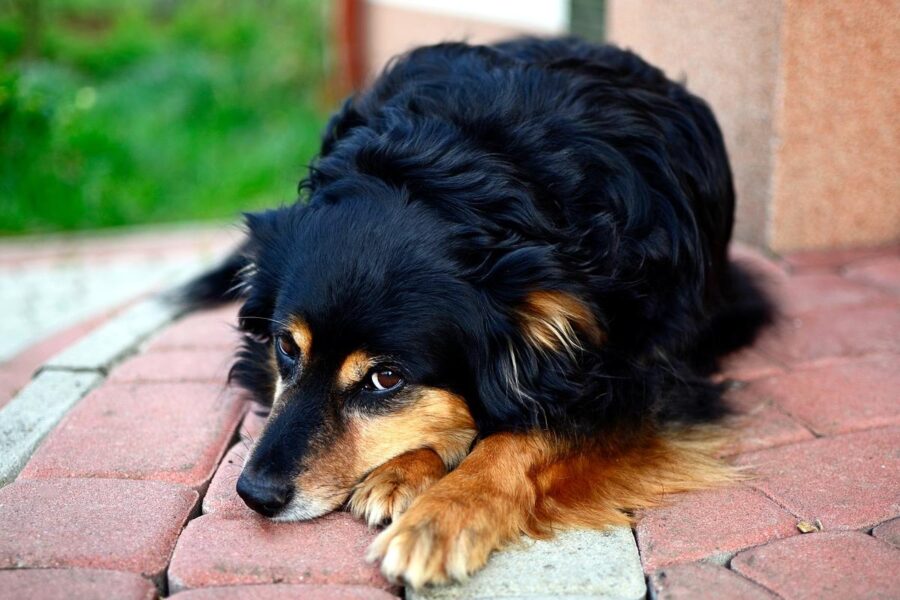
<point>496,307</point>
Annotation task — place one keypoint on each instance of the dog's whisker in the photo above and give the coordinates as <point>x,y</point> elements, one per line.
<point>271,320</point>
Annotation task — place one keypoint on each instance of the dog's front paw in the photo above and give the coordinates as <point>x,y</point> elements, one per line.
<point>437,540</point>
<point>389,490</point>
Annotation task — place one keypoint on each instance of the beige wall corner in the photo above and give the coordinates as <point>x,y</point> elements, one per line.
<point>394,26</point>
<point>807,93</point>
<point>728,53</point>
<point>837,156</point>
<point>808,96</point>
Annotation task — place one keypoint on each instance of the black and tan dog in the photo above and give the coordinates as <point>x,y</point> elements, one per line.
<point>495,307</point>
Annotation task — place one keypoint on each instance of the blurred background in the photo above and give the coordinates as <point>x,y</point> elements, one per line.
<point>118,113</point>
<point>133,133</point>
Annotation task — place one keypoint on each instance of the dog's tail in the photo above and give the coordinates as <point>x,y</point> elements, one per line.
<point>746,310</point>
<point>219,285</point>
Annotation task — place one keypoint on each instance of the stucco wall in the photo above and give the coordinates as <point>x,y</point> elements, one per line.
<point>728,53</point>
<point>808,95</point>
<point>395,27</point>
<point>837,151</point>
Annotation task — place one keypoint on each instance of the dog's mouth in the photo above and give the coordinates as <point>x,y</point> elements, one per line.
<point>303,508</point>
<point>286,481</point>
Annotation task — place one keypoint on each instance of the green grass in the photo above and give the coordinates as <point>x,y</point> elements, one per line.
<point>118,112</point>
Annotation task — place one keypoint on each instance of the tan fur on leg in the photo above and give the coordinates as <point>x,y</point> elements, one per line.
<point>533,483</point>
<point>389,489</point>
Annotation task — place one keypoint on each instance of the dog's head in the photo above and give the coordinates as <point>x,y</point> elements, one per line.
<point>370,338</point>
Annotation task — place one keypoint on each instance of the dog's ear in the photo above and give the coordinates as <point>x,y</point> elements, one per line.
<point>534,331</point>
<point>555,321</point>
<point>531,357</point>
<point>259,278</point>
<point>254,369</point>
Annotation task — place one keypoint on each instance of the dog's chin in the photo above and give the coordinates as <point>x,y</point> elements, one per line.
<point>304,508</point>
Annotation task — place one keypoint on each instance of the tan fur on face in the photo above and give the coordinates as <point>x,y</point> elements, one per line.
<point>550,320</point>
<point>533,483</point>
<point>302,335</point>
<point>342,454</point>
<point>354,368</point>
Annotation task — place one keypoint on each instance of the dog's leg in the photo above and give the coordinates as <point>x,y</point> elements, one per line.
<point>449,531</point>
<point>533,483</point>
<point>388,490</point>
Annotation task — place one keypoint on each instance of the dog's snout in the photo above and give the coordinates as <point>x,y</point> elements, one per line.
<point>265,494</point>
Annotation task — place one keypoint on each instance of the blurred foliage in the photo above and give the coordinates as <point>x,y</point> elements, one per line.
<point>115,112</point>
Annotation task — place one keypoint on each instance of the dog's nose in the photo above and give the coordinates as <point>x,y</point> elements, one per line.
<point>265,494</point>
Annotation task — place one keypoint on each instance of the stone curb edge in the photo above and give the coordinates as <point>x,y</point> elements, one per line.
<point>67,377</point>
<point>575,564</point>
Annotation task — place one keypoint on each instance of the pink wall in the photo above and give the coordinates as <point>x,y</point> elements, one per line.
<point>837,135</point>
<point>393,30</point>
<point>727,52</point>
<point>808,97</point>
<point>806,92</point>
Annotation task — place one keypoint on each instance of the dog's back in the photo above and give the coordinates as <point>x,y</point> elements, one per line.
<point>623,169</point>
<point>605,177</point>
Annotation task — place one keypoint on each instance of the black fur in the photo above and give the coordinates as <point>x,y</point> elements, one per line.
<point>471,176</point>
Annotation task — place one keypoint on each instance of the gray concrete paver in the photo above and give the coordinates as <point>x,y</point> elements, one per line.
<point>602,565</point>
<point>34,412</point>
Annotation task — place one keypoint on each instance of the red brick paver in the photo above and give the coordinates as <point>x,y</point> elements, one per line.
<point>889,532</point>
<point>710,524</point>
<point>169,432</point>
<point>838,397</point>
<point>221,498</point>
<point>92,523</point>
<point>748,364</point>
<point>804,293</point>
<point>64,584</point>
<point>883,272</point>
<point>209,330</point>
<point>804,262</point>
<point>174,366</point>
<point>703,581</point>
<point>214,551</point>
<point>287,591</point>
<point>761,423</point>
<point>829,370</point>
<point>151,242</point>
<point>760,265</point>
<point>824,565</point>
<point>841,331</point>
<point>848,482</point>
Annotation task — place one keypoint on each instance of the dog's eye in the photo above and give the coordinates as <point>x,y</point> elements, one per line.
<point>287,346</point>
<point>383,380</point>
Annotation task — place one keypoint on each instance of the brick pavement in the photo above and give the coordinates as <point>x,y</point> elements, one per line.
<point>818,424</point>
<point>133,492</point>
<point>55,289</point>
